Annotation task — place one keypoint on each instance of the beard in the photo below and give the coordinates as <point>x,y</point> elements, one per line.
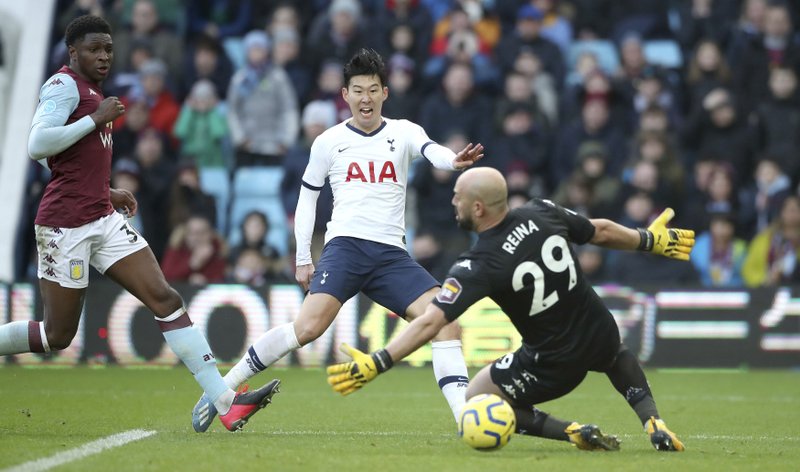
<point>465,222</point>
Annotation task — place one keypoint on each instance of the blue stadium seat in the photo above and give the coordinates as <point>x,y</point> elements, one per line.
<point>258,188</point>
<point>604,50</point>
<point>663,52</point>
<point>215,181</point>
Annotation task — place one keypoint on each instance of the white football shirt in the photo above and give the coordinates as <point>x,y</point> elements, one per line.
<point>368,175</point>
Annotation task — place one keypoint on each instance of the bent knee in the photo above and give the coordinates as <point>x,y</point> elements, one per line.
<point>308,333</point>
<point>59,340</point>
<point>163,301</point>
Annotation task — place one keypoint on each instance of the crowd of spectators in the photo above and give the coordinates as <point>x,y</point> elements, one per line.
<point>614,108</point>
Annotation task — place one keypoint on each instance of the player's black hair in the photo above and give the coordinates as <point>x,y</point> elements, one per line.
<point>83,25</point>
<point>367,61</point>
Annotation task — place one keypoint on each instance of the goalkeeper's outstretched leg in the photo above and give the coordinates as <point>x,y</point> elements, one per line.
<point>628,378</point>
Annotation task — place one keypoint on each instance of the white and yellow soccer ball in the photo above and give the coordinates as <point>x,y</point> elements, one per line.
<point>487,422</point>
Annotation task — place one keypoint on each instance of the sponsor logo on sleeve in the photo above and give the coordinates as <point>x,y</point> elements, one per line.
<point>450,291</point>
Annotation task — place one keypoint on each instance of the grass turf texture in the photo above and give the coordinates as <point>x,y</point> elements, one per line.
<point>728,421</point>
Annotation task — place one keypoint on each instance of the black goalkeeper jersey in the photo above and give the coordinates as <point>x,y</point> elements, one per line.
<point>527,266</point>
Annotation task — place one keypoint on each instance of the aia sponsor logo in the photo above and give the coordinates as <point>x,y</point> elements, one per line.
<point>387,173</point>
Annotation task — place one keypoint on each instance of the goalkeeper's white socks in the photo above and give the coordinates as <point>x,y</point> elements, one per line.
<point>192,348</point>
<point>268,349</point>
<point>451,373</point>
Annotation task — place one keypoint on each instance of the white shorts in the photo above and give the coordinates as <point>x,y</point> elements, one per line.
<point>65,252</point>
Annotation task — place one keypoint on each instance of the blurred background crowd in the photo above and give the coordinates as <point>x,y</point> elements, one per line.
<point>613,108</point>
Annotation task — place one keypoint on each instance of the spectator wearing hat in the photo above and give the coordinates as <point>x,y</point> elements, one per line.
<point>318,116</point>
<point>592,169</point>
<point>526,35</point>
<point>201,126</point>
<point>153,92</point>
<point>718,255</point>
<point>262,107</point>
<point>337,33</point>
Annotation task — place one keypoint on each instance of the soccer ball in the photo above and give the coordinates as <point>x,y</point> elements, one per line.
<point>487,422</point>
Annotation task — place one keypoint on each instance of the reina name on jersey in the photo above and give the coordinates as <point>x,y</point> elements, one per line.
<point>517,235</point>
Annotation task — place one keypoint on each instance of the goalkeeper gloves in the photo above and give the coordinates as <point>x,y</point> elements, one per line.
<point>348,377</point>
<point>669,242</point>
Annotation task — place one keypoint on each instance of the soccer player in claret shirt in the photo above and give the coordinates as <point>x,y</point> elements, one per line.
<point>77,225</point>
<point>524,262</point>
<point>366,160</point>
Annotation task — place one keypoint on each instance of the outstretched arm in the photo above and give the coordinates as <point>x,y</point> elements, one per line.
<point>348,377</point>
<point>674,243</point>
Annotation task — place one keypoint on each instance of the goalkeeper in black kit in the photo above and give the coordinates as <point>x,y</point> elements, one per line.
<point>523,262</point>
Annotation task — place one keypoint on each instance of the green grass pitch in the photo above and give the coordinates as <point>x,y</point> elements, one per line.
<point>738,420</point>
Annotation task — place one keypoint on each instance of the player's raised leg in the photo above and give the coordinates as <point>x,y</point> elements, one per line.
<point>449,366</point>
<point>534,422</point>
<point>628,378</point>
<point>140,274</point>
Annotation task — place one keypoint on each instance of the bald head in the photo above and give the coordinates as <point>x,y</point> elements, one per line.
<point>481,198</point>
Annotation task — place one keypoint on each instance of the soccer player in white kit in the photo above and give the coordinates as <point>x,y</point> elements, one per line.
<point>77,225</point>
<point>366,159</point>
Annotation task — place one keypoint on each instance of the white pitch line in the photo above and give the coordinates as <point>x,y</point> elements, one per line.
<point>80,452</point>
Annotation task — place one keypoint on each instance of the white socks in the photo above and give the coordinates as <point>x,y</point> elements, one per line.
<point>268,349</point>
<point>451,373</point>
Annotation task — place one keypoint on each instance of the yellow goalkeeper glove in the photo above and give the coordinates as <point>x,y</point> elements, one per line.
<point>669,242</point>
<point>348,377</point>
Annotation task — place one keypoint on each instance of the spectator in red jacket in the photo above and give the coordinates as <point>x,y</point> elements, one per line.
<point>195,254</point>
